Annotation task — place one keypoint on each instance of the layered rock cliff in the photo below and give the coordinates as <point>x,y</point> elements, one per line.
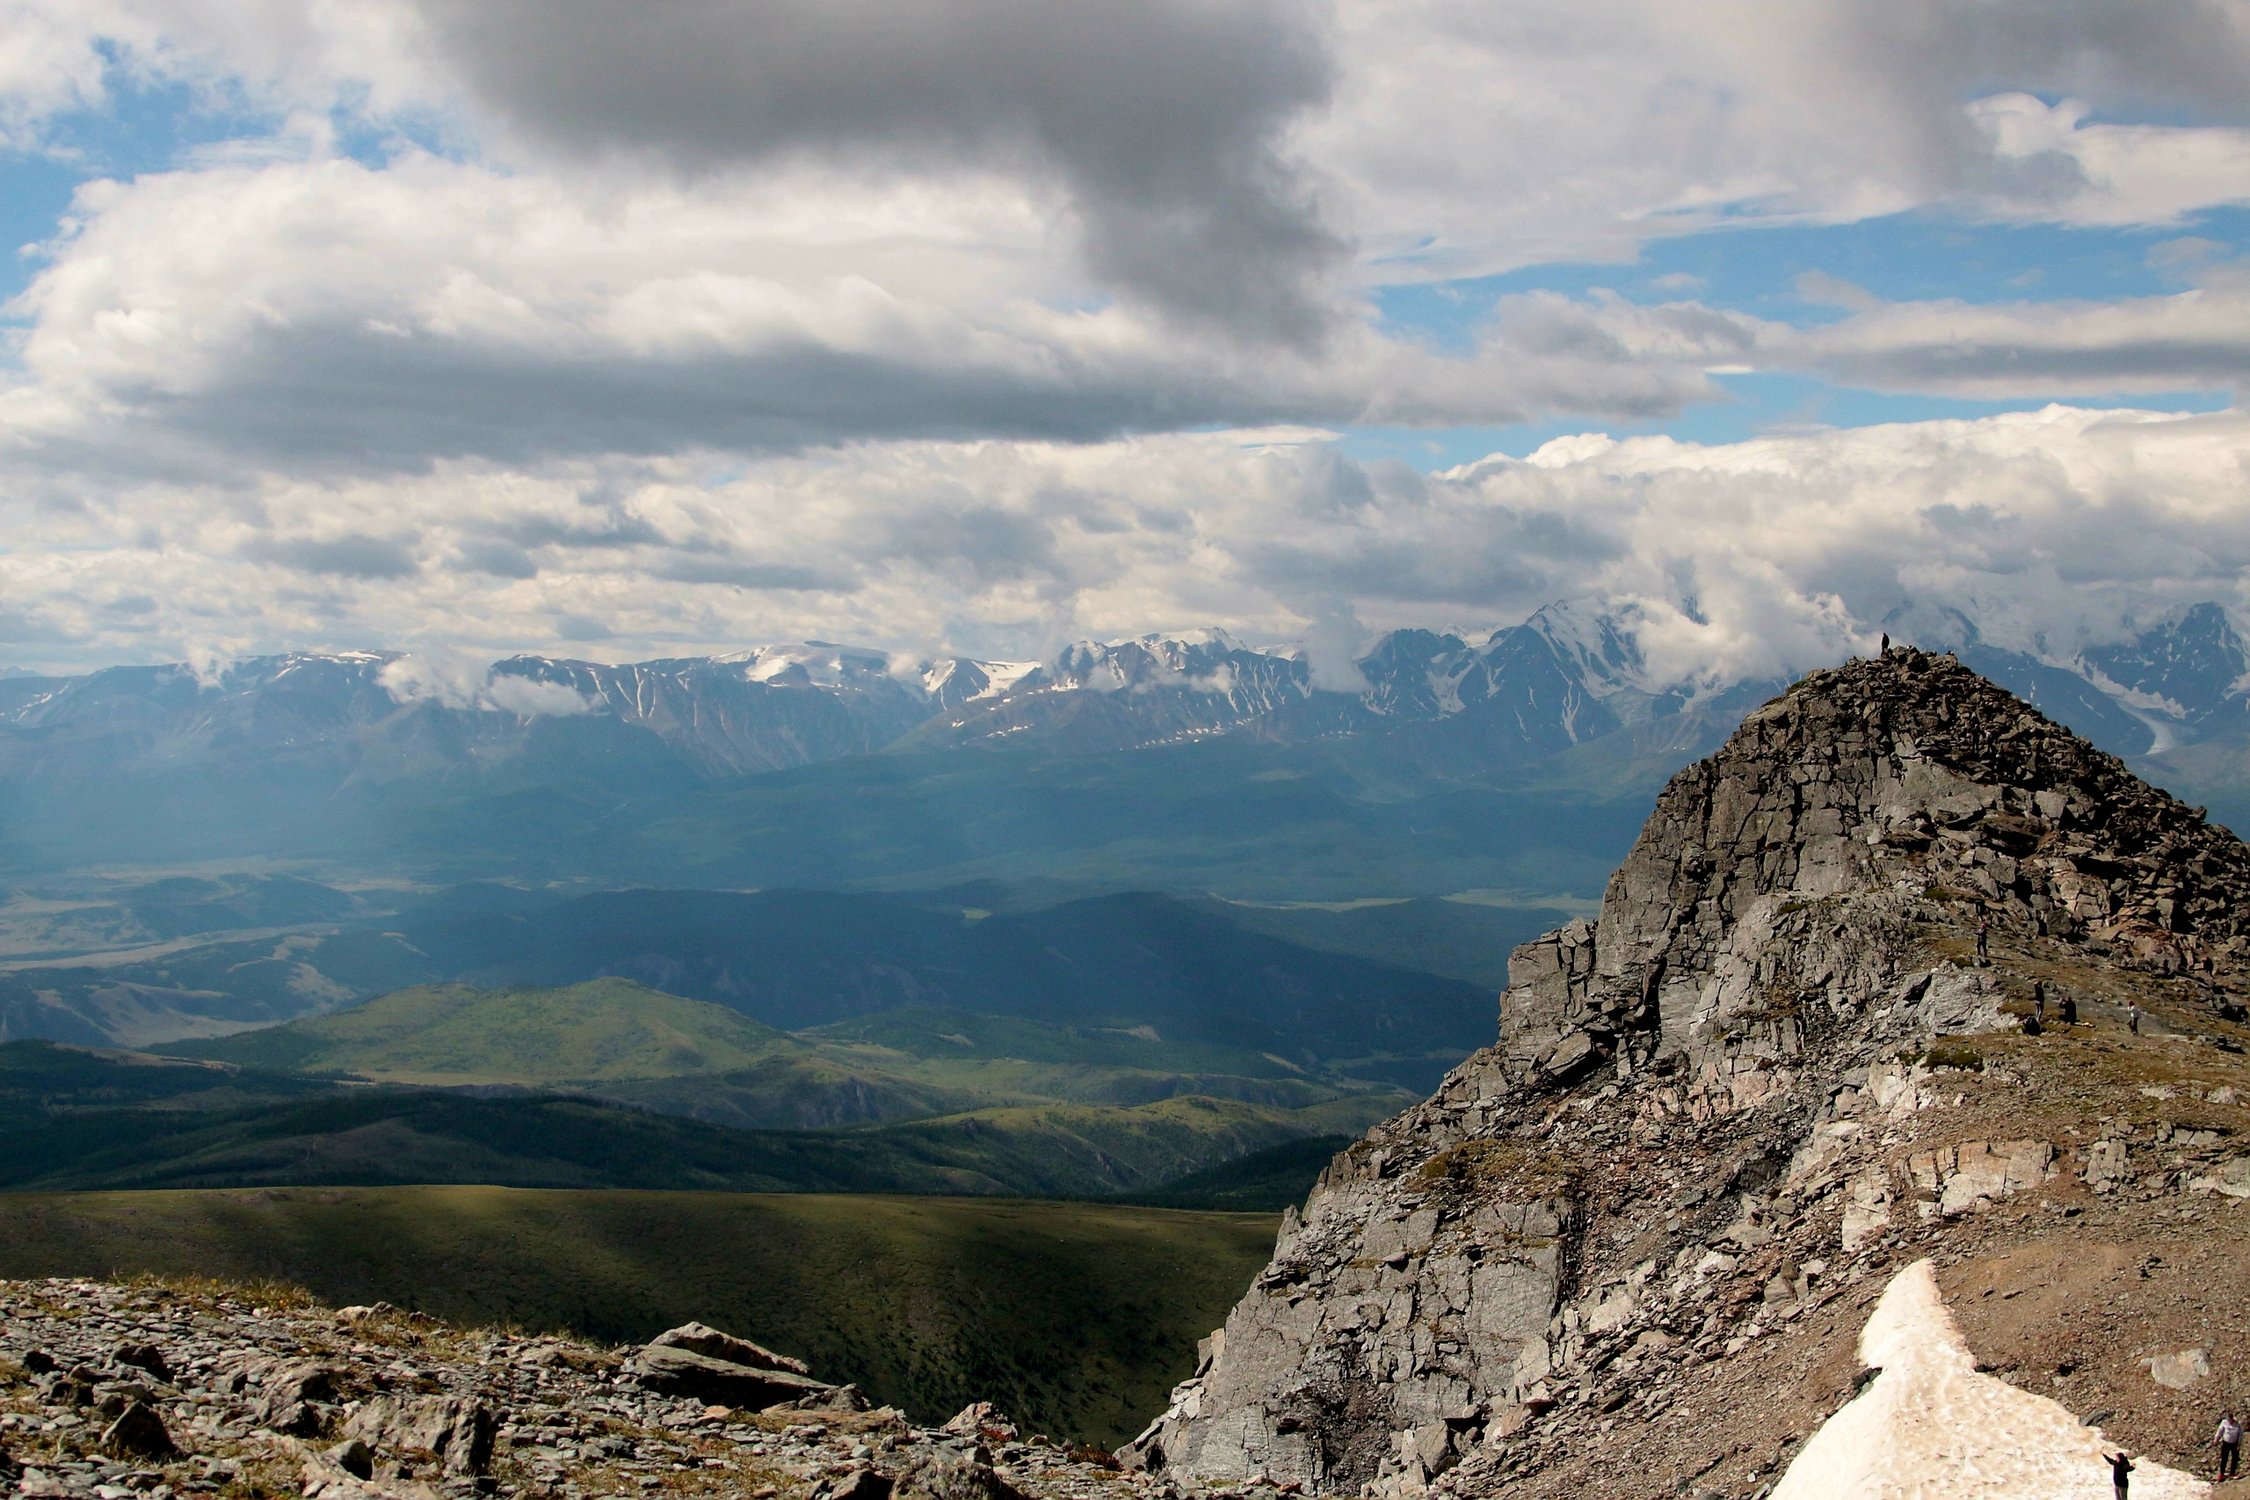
<point>1776,1067</point>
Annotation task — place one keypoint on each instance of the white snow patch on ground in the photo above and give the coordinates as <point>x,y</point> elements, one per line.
<point>1929,1427</point>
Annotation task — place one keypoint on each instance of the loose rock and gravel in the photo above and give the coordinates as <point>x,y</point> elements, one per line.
<point>163,1389</point>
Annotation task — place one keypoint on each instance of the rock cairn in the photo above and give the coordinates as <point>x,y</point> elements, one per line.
<point>1738,1095</point>
<point>155,1390</point>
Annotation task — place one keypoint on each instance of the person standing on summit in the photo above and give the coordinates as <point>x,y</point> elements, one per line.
<point>2120,1473</point>
<point>2228,1440</point>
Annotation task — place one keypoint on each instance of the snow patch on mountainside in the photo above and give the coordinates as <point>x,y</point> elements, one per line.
<point>1930,1427</point>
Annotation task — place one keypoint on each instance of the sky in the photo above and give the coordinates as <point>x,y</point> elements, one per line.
<point>470,327</point>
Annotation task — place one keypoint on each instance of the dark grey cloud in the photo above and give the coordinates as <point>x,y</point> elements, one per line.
<point>2135,58</point>
<point>1160,118</point>
<point>2138,60</point>
<point>984,542</point>
<point>744,573</point>
<point>342,398</point>
<point>22,628</point>
<point>2005,366</point>
<point>351,556</point>
<point>500,559</point>
<point>2193,340</point>
<point>1376,568</point>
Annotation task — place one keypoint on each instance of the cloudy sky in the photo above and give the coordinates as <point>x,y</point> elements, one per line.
<point>615,330</point>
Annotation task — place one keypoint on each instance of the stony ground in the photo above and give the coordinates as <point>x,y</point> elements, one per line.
<point>162,1389</point>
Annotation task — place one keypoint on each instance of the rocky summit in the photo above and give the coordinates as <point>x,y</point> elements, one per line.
<point>1904,972</point>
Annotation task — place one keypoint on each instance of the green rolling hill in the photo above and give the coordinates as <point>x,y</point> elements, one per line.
<point>71,1118</point>
<point>600,1031</point>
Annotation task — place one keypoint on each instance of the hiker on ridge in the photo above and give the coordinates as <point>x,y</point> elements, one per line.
<point>1984,939</point>
<point>2228,1441</point>
<point>2120,1472</point>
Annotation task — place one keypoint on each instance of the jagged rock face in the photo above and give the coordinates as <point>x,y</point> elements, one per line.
<point>1905,776</point>
<point>1739,1029</point>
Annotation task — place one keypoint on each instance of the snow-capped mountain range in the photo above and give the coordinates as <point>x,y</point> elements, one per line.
<point>1571,674</point>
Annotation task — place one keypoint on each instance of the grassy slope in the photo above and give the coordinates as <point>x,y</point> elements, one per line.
<point>1265,1181</point>
<point>621,1040</point>
<point>1076,1317</point>
<point>71,1119</point>
<point>599,1031</point>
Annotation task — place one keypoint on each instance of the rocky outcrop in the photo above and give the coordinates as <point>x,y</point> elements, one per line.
<point>1723,1100</point>
<point>165,1390</point>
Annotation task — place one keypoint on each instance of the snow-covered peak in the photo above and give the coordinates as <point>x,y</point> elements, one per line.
<point>1596,642</point>
<point>1209,658</point>
<point>1002,676</point>
<point>1206,637</point>
<point>815,663</point>
<point>955,680</point>
<point>2192,658</point>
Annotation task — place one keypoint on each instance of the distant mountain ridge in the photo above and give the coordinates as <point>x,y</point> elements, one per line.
<point>1571,673</point>
<point>630,772</point>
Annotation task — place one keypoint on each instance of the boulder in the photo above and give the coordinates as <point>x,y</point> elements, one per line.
<point>143,1356</point>
<point>454,1430</point>
<point>949,1479</point>
<point>323,1479</point>
<point>139,1433</point>
<point>353,1457</point>
<point>701,1338</point>
<point>858,1484</point>
<point>716,1367</point>
<point>981,1419</point>
<point>2179,1370</point>
<point>288,1393</point>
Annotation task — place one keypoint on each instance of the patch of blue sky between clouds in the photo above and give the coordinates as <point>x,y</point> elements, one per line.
<point>1903,258</point>
<point>1900,258</point>
<point>146,125</point>
<point>1755,405</point>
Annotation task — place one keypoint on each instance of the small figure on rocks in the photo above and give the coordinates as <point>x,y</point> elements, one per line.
<point>2133,1018</point>
<point>2067,1010</point>
<point>1886,648</point>
<point>1984,939</point>
<point>2039,1001</point>
<point>2228,1440</point>
<point>2120,1473</point>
